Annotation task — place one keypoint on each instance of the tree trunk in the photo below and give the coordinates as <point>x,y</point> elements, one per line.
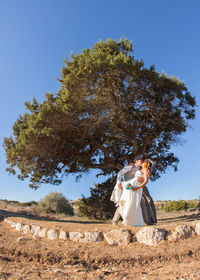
<point>148,208</point>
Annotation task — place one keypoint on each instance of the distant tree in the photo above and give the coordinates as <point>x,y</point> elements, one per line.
<point>56,203</point>
<point>109,109</point>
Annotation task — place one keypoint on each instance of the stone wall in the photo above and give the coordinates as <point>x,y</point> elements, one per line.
<point>147,235</point>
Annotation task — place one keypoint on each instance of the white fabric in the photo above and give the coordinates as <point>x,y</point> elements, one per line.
<point>129,204</point>
<point>129,172</point>
<point>116,194</point>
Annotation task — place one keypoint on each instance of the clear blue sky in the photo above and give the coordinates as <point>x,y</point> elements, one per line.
<point>36,36</point>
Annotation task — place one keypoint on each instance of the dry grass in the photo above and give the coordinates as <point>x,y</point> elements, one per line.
<point>27,210</point>
<point>39,258</point>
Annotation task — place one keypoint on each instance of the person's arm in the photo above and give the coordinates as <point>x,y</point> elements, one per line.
<point>140,179</point>
<point>123,171</point>
<point>146,179</point>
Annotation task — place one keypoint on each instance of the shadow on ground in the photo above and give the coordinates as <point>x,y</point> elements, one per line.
<point>183,218</point>
<point>6,214</point>
<point>77,220</point>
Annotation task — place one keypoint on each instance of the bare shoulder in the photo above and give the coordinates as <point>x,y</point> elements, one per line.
<point>145,172</point>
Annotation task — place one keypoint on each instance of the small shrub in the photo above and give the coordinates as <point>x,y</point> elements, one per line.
<point>12,202</point>
<point>56,203</point>
<point>35,211</point>
<point>30,203</point>
<point>98,206</point>
<point>193,204</point>
<point>84,208</point>
<point>179,205</point>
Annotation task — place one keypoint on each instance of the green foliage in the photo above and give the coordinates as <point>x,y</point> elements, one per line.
<point>98,205</point>
<point>194,204</point>
<point>30,203</point>
<point>109,109</point>
<point>56,203</point>
<point>179,205</point>
<point>11,201</point>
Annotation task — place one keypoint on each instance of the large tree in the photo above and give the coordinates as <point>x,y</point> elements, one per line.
<point>109,109</point>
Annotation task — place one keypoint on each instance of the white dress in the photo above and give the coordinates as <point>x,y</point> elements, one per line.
<point>128,172</point>
<point>129,205</point>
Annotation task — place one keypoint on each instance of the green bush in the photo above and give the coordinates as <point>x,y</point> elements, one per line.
<point>30,203</point>
<point>12,202</point>
<point>56,203</point>
<point>98,206</point>
<point>84,207</point>
<point>179,205</point>
<point>193,204</point>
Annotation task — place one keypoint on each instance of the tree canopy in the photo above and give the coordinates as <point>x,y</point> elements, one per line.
<point>108,109</point>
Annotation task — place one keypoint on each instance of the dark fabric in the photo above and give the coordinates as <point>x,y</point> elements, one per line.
<point>148,208</point>
<point>142,157</point>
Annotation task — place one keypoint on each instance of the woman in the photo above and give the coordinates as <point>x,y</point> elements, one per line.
<point>130,208</point>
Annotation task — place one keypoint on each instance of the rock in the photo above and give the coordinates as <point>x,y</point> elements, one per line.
<point>18,226</point>
<point>35,230</point>
<point>94,236</point>
<point>75,236</point>
<point>7,221</point>
<point>197,228</point>
<point>118,237</point>
<point>133,238</point>
<point>26,229</point>
<point>13,224</point>
<point>42,232</point>
<point>52,234</point>
<point>21,239</point>
<point>181,232</point>
<point>197,211</point>
<point>57,270</point>
<point>150,236</point>
<point>62,235</point>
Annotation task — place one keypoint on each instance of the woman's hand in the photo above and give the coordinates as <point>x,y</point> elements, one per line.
<point>146,179</point>
<point>136,189</point>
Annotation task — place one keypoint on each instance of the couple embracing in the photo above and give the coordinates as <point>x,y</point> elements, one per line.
<point>127,193</point>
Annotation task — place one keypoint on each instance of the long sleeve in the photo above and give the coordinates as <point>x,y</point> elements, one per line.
<point>122,172</point>
<point>117,192</point>
<point>133,183</point>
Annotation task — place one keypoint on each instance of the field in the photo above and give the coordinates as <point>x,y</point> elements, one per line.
<point>22,257</point>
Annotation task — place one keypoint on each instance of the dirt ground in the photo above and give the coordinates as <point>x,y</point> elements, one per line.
<point>28,258</point>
